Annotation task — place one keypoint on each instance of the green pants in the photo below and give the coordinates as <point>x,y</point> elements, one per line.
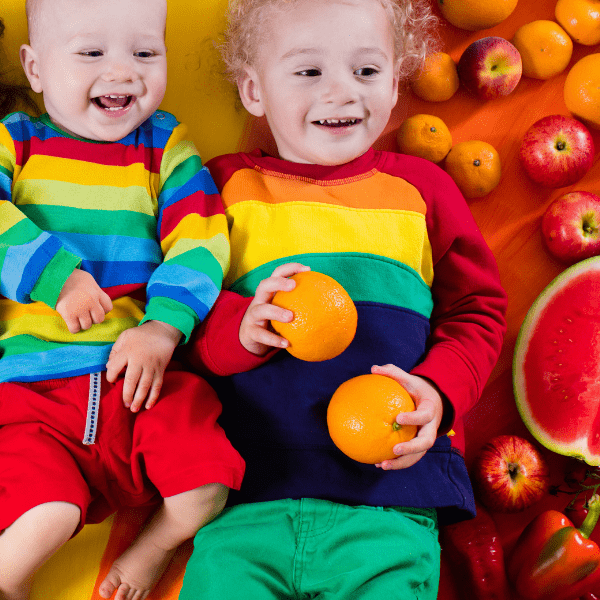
<point>293,549</point>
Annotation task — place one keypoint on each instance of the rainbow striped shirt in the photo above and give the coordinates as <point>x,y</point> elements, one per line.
<point>142,215</point>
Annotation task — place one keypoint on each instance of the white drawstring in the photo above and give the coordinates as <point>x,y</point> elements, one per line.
<point>91,422</point>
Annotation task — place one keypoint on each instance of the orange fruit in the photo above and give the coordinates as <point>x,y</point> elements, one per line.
<point>545,48</point>
<point>475,168</point>
<point>580,19</point>
<point>426,136</point>
<point>324,320</point>
<point>474,15</point>
<point>361,418</point>
<point>582,90</point>
<point>437,80</point>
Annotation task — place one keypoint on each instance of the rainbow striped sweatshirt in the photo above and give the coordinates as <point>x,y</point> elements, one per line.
<point>396,232</point>
<point>142,215</point>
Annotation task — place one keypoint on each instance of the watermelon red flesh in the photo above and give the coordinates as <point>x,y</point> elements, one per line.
<point>557,364</point>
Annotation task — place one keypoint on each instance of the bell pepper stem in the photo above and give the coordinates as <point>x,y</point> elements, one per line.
<point>592,517</point>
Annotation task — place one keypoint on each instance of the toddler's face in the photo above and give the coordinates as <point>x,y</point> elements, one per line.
<point>325,78</point>
<point>100,65</point>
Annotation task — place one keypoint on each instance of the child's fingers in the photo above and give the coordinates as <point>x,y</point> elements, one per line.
<point>270,312</point>
<point>154,392</point>
<point>130,383</point>
<point>260,335</point>
<point>106,302</point>
<point>267,288</point>
<point>289,269</point>
<point>143,386</point>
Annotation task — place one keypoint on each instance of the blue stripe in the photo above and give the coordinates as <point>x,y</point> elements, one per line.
<point>24,264</point>
<point>197,283</point>
<point>68,361</point>
<point>108,274</point>
<point>183,296</point>
<point>5,187</point>
<point>99,247</point>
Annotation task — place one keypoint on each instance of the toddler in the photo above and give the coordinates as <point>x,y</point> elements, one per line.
<point>395,231</point>
<point>114,244</point>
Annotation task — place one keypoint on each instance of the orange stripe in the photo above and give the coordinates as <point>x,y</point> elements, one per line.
<point>372,190</point>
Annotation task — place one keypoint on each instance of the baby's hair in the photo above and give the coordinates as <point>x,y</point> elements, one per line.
<point>14,96</point>
<point>413,25</point>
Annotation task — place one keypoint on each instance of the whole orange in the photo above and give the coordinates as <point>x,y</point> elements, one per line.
<point>545,48</point>
<point>324,320</point>
<point>474,15</point>
<point>580,19</point>
<point>475,168</point>
<point>361,418</point>
<point>426,136</point>
<point>437,80</point>
<point>582,90</point>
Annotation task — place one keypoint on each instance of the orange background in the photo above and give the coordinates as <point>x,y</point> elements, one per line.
<point>509,218</point>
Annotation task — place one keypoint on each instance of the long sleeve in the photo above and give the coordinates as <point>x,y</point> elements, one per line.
<point>193,235</point>
<point>33,263</point>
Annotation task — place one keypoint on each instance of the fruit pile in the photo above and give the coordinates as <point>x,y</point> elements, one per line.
<point>557,150</point>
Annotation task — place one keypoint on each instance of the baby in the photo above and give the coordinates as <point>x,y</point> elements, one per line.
<point>114,244</point>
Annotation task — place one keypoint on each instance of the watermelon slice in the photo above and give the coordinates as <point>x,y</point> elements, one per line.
<point>556,367</point>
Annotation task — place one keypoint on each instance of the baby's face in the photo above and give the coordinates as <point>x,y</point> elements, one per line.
<point>100,65</point>
<point>325,78</point>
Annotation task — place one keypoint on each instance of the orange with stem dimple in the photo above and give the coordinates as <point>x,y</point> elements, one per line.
<point>325,317</point>
<point>361,418</point>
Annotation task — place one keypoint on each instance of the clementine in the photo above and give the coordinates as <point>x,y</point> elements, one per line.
<point>545,48</point>
<point>475,168</point>
<point>361,418</point>
<point>582,90</point>
<point>426,136</point>
<point>474,15</point>
<point>580,19</point>
<point>437,80</point>
<point>324,320</point>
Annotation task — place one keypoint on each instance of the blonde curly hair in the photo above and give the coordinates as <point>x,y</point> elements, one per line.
<point>413,24</point>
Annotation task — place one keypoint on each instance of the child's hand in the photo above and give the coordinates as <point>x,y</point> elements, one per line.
<point>427,416</point>
<point>143,353</point>
<point>255,334</point>
<point>82,301</point>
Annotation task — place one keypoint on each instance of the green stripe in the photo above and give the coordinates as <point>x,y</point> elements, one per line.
<point>21,232</point>
<point>7,172</point>
<point>27,344</point>
<point>96,222</point>
<point>366,277</point>
<point>183,172</point>
<point>201,260</point>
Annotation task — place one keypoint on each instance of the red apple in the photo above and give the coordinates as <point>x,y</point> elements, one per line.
<point>557,151</point>
<point>570,226</point>
<point>490,67</point>
<point>510,474</point>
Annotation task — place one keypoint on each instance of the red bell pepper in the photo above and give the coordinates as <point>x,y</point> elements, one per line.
<point>553,560</point>
<point>474,548</point>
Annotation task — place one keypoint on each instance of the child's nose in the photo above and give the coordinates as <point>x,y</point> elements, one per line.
<point>340,91</point>
<point>121,71</point>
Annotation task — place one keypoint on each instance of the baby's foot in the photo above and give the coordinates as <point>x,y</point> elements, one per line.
<point>134,574</point>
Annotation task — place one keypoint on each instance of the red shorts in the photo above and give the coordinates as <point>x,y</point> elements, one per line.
<point>136,459</point>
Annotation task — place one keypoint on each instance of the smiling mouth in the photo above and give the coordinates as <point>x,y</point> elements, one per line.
<point>337,122</point>
<point>113,102</point>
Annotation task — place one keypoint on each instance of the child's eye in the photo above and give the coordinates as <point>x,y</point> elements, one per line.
<point>144,54</point>
<point>91,53</point>
<point>309,72</point>
<point>366,72</point>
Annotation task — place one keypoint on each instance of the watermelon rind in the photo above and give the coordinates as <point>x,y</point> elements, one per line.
<point>578,448</point>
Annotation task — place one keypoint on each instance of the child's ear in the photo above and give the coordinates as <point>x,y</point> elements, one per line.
<point>395,88</point>
<point>30,66</point>
<point>250,92</point>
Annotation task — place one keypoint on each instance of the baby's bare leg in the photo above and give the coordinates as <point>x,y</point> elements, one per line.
<point>134,574</point>
<point>30,541</point>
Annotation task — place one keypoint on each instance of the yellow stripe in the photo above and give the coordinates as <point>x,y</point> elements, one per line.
<point>305,227</point>
<point>194,227</point>
<point>217,245</point>
<point>43,322</point>
<point>9,215</point>
<point>177,150</point>
<point>87,173</point>
<point>72,195</point>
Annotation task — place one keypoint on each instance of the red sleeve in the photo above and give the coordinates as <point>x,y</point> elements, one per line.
<point>468,320</point>
<point>215,347</point>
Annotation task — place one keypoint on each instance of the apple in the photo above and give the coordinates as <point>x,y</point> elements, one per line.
<point>490,67</point>
<point>510,474</point>
<point>570,226</point>
<point>557,151</point>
